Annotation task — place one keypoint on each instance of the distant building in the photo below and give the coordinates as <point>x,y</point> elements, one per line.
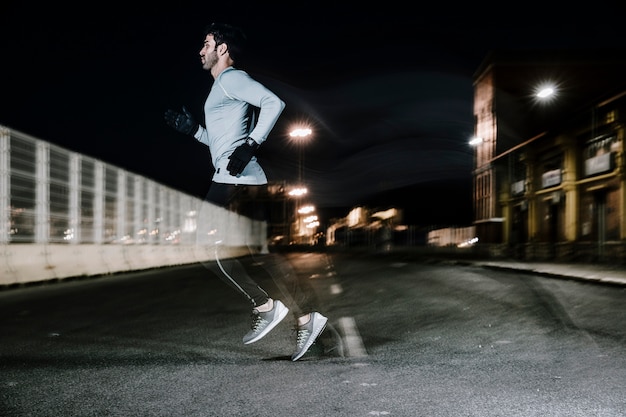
<point>383,230</point>
<point>452,236</point>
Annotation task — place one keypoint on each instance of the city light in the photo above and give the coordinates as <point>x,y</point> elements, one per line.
<point>306,209</point>
<point>300,132</point>
<point>476,140</point>
<point>297,192</point>
<point>301,227</point>
<point>545,92</point>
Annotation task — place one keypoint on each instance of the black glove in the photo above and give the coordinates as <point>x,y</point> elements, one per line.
<point>241,156</point>
<point>183,122</point>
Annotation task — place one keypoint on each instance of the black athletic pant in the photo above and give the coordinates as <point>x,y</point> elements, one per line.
<point>250,201</point>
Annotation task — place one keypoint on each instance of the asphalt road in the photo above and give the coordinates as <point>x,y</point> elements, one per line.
<point>406,338</point>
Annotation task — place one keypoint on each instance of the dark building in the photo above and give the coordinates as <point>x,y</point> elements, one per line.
<point>549,177</point>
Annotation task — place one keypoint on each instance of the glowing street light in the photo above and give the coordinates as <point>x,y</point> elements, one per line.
<point>545,92</point>
<point>299,134</point>
<point>297,192</point>
<point>306,209</point>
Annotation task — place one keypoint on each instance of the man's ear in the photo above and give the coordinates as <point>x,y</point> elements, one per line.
<point>222,48</point>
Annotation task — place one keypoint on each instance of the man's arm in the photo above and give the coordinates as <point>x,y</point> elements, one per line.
<point>241,86</point>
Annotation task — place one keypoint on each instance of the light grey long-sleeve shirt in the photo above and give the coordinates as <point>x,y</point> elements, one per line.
<point>229,121</point>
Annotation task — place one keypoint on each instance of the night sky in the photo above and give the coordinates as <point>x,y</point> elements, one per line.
<point>387,89</point>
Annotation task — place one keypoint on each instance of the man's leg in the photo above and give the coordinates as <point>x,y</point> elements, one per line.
<point>267,313</point>
<point>301,297</point>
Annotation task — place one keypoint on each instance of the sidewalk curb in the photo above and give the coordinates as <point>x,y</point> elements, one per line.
<point>580,276</point>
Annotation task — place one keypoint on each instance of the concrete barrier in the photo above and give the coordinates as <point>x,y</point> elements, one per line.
<point>29,263</point>
<point>88,217</point>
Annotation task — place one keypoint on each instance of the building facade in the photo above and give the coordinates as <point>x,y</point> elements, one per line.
<point>549,177</point>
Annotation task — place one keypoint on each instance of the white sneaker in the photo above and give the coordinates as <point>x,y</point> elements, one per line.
<point>307,334</point>
<point>262,323</point>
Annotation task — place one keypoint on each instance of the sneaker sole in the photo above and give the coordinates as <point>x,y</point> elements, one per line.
<point>316,332</point>
<point>282,313</point>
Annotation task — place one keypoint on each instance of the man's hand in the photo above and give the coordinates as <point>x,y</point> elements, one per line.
<point>241,156</point>
<point>183,122</point>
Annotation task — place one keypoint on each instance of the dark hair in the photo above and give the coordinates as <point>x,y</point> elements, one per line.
<point>232,36</point>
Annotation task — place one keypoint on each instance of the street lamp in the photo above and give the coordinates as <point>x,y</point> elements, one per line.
<point>307,223</point>
<point>300,134</point>
<point>545,92</point>
<point>295,227</point>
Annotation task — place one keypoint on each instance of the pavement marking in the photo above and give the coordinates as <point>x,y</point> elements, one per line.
<point>351,337</point>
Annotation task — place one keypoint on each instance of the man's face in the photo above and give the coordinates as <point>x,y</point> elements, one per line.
<point>208,53</point>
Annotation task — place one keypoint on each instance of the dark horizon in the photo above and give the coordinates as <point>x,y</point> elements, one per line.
<point>388,94</point>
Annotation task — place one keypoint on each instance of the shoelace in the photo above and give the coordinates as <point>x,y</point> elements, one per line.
<point>257,322</point>
<point>303,335</point>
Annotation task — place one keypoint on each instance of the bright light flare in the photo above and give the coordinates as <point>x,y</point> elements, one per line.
<point>310,219</point>
<point>297,192</point>
<point>306,210</point>
<point>301,132</point>
<point>545,92</point>
<point>476,140</point>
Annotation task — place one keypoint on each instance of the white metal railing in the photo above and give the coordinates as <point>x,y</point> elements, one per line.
<point>52,196</point>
